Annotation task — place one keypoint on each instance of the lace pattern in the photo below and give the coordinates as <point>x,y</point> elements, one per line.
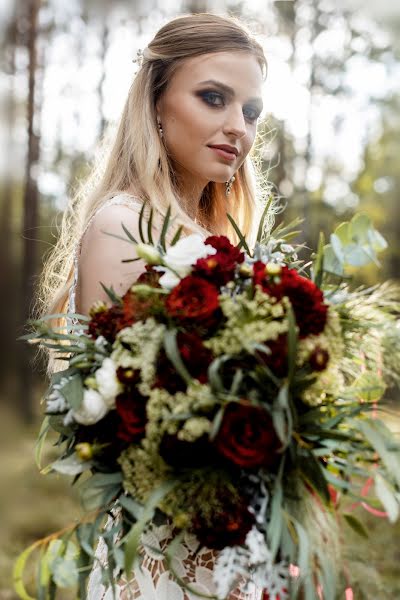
<point>153,580</point>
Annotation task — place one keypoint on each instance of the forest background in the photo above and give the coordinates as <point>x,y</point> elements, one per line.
<point>329,141</point>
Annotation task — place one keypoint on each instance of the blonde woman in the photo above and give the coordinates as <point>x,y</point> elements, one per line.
<point>184,139</point>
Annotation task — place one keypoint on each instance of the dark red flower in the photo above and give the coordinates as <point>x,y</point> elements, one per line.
<point>247,437</point>
<point>227,526</point>
<point>196,357</point>
<point>104,321</point>
<point>277,358</point>
<point>319,359</point>
<point>306,298</point>
<point>150,277</point>
<point>193,298</point>
<point>219,267</point>
<point>131,409</point>
<point>180,453</point>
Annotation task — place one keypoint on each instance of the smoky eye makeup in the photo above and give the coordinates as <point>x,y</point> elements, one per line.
<point>217,99</point>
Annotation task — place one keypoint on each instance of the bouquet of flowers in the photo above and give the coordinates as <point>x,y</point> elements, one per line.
<point>229,392</point>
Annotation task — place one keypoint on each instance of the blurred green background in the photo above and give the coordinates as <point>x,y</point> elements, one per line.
<point>329,142</point>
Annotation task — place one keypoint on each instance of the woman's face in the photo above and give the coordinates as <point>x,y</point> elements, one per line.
<point>211,100</point>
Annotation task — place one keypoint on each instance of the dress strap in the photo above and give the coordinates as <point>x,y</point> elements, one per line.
<point>123,199</point>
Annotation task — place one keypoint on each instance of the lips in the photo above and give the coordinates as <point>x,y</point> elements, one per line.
<point>227,153</point>
<point>226,148</point>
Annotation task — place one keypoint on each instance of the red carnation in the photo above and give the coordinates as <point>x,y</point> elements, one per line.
<point>247,437</point>
<point>131,408</point>
<point>219,267</point>
<point>227,526</point>
<point>105,321</point>
<point>306,298</point>
<point>193,298</point>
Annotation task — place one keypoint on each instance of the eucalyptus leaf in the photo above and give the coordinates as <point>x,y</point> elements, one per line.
<point>386,495</point>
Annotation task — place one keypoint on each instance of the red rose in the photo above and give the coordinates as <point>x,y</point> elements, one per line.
<point>131,408</point>
<point>219,267</point>
<point>247,437</point>
<point>306,298</point>
<point>193,298</point>
<point>104,321</point>
<point>227,526</point>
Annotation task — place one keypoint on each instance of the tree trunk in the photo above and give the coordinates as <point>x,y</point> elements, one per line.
<point>30,215</point>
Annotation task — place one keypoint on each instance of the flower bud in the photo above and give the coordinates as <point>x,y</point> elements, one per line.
<point>245,270</point>
<point>84,451</point>
<point>150,254</point>
<point>90,382</point>
<point>273,269</point>
<point>181,520</point>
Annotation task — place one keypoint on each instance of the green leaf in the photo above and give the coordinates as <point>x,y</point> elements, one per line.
<point>356,525</point>
<point>128,233</point>
<point>132,540</point>
<point>72,391</point>
<point>44,429</point>
<point>115,299</point>
<point>162,240</point>
<point>18,571</point>
<point>140,223</point>
<point>100,490</point>
<point>213,374</point>
<point>318,264</point>
<point>72,465</point>
<point>313,474</point>
<point>369,386</point>
<point>380,438</point>
<point>242,243</point>
<point>134,508</point>
<point>150,227</point>
<point>177,235</point>
<point>172,351</point>
<point>386,495</point>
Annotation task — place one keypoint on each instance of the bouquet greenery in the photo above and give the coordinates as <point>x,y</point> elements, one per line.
<point>228,393</point>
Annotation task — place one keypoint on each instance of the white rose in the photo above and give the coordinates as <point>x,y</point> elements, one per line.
<point>178,259</point>
<point>92,409</point>
<point>107,383</point>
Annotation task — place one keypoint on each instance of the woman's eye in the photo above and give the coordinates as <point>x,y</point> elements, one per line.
<point>213,98</point>
<point>251,114</point>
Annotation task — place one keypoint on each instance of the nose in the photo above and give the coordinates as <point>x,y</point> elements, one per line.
<point>235,124</point>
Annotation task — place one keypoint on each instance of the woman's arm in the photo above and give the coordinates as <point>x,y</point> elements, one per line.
<point>101,256</point>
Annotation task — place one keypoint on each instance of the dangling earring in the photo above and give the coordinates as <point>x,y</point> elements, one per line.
<point>160,129</point>
<point>228,185</point>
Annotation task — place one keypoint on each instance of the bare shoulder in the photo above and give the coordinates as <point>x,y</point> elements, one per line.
<point>109,220</point>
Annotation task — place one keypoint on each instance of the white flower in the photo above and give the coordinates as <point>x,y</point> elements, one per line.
<point>92,409</point>
<point>178,259</point>
<point>107,383</point>
<point>150,254</point>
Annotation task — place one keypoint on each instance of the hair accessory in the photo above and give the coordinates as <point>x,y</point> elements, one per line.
<point>139,57</point>
<point>228,185</point>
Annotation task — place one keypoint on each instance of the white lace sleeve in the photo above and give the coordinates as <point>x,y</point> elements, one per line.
<point>153,580</point>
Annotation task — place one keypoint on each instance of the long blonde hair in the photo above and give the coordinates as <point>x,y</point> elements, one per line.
<point>138,159</point>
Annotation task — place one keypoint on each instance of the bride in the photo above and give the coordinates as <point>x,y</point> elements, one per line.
<point>189,123</point>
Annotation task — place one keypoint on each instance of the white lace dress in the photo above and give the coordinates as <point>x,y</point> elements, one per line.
<point>152,580</point>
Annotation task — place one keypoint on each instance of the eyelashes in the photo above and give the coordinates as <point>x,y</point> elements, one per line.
<point>216,99</point>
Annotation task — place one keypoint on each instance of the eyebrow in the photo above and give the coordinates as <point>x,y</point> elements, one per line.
<point>227,89</point>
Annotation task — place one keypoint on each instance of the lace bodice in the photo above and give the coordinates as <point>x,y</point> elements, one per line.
<point>152,580</point>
